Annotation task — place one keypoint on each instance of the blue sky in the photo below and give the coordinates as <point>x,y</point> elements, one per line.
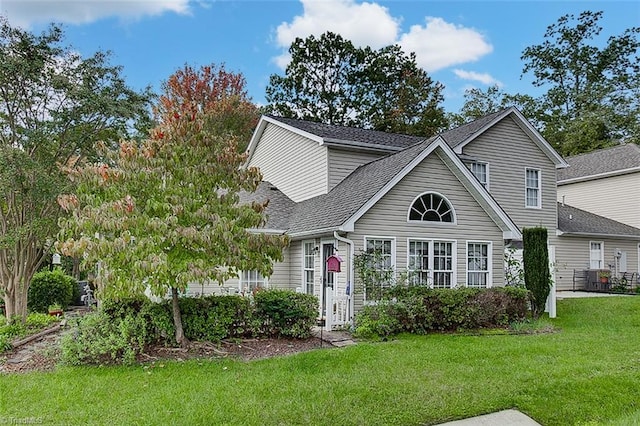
<point>462,44</point>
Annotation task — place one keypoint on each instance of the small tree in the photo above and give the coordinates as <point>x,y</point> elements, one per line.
<point>165,212</point>
<point>537,278</point>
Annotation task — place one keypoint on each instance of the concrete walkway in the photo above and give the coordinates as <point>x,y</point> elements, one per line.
<point>568,294</point>
<point>501,418</point>
<point>334,338</point>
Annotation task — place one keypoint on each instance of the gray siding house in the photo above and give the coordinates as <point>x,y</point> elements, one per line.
<point>439,211</point>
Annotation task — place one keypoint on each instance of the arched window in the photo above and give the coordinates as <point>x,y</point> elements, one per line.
<point>431,207</point>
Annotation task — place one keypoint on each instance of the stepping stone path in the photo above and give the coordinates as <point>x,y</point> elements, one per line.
<point>335,338</point>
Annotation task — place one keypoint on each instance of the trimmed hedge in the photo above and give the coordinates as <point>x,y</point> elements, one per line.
<point>285,313</point>
<point>213,318</point>
<point>422,310</point>
<point>48,288</point>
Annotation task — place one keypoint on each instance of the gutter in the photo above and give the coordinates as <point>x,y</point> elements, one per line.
<point>587,178</point>
<point>560,233</point>
<point>350,274</point>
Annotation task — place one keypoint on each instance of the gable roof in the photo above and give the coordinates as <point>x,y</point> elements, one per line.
<point>605,162</point>
<point>574,221</point>
<point>459,137</point>
<point>368,183</point>
<point>339,136</point>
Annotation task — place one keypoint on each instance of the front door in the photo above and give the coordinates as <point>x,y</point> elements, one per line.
<point>328,278</point>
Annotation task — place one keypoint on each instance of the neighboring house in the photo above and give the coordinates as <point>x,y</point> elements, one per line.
<point>589,243</point>
<point>605,182</point>
<point>440,210</point>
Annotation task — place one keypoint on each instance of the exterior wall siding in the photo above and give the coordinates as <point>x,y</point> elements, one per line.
<point>615,197</point>
<point>572,253</point>
<point>388,218</point>
<point>509,151</point>
<point>294,164</point>
<point>343,162</point>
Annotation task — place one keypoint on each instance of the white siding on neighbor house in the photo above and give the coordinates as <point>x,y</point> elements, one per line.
<point>297,166</point>
<point>509,152</point>
<point>343,162</point>
<point>572,253</point>
<point>615,197</point>
<point>388,218</point>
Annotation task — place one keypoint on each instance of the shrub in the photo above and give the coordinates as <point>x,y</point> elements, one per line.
<point>37,321</point>
<point>48,288</point>
<point>214,318</point>
<point>380,320</point>
<point>422,310</point>
<point>99,339</point>
<point>537,277</point>
<point>285,313</point>
<point>5,343</point>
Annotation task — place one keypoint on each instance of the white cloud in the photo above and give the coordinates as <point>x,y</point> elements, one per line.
<point>25,13</point>
<point>440,44</point>
<point>483,78</point>
<point>364,24</point>
<point>437,45</point>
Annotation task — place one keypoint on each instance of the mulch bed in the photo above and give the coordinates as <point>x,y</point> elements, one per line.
<point>246,350</point>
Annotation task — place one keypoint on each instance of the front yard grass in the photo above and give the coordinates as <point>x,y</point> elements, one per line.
<point>586,373</point>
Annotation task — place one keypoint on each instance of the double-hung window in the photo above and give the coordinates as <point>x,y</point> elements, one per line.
<point>596,255</point>
<point>308,274</point>
<point>251,280</point>
<point>381,257</point>
<point>478,264</point>
<point>481,172</point>
<point>430,263</point>
<point>533,188</point>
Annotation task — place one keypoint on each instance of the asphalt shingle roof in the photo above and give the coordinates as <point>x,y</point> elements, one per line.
<point>278,210</point>
<point>352,134</point>
<point>455,137</point>
<point>346,198</point>
<point>606,160</point>
<point>573,220</point>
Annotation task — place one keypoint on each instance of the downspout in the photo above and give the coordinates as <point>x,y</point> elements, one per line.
<point>350,272</point>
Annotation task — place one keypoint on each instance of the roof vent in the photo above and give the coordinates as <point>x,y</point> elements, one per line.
<point>570,217</point>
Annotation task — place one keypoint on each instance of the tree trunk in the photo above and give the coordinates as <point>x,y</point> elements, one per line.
<point>15,302</point>
<point>177,318</point>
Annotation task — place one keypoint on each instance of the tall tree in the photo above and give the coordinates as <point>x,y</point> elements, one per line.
<point>593,93</point>
<point>165,212</point>
<point>329,80</point>
<point>54,105</point>
<point>478,103</point>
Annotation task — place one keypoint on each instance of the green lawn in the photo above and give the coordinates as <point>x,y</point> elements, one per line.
<point>587,373</point>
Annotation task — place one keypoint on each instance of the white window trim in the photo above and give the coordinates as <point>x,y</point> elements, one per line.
<point>489,261</point>
<point>241,282</point>
<point>602,265</point>
<point>303,279</point>
<point>433,223</point>
<point>393,254</point>
<point>393,247</point>
<point>454,258</point>
<point>486,185</point>
<point>539,201</point>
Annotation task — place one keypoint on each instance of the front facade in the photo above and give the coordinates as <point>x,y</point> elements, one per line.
<point>438,212</point>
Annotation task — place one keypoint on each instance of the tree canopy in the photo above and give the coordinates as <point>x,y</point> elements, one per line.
<point>164,212</point>
<point>54,105</point>
<point>592,97</point>
<point>329,80</point>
